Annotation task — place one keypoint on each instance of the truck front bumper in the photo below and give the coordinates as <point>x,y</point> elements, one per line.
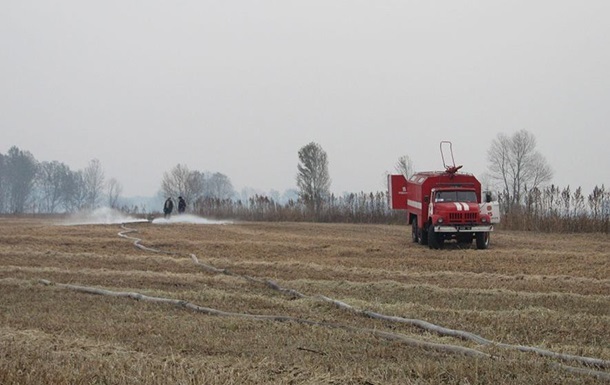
<point>464,229</point>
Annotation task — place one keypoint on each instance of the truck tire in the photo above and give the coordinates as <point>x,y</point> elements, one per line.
<point>434,240</point>
<point>422,236</point>
<point>414,236</point>
<point>482,240</point>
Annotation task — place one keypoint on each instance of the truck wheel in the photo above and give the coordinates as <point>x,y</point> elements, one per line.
<point>414,232</point>
<point>422,236</point>
<point>435,241</point>
<point>482,240</point>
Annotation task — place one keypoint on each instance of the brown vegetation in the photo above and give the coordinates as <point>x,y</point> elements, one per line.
<point>545,291</point>
<point>549,210</point>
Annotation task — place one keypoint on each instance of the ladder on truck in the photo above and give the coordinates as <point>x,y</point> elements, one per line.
<point>446,148</point>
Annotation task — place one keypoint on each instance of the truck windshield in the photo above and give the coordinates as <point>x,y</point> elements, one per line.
<point>456,196</point>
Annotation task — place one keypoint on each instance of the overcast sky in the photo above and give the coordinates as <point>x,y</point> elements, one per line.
<point>239,87</point>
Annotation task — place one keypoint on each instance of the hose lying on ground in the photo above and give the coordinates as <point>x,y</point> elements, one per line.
<point>424,325</point>
<point>445,348</point>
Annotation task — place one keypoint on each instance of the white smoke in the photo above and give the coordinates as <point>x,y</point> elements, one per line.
<point>101,216</point>
<point>187,218</point>
<point>108,216</point>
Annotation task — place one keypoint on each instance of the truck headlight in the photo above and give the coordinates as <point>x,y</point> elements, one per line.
<point>484,219</point>
<point>439,220</point>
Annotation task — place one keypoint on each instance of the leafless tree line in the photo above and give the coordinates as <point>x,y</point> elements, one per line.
<point>350,208</point>
<point>549,209</point>
<point>33,187</point>
<point>553,209</point>
<point>521,175</point>
<point>29,186</point>
<point>196,186</point>
<point>518,170</point>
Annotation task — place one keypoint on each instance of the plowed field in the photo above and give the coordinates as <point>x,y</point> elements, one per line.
<point>298,303</point>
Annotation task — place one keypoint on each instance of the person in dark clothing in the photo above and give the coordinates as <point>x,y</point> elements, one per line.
<point>168,207</point>
<point>181,205</point>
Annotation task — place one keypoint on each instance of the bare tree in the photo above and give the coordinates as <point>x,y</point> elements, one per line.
<point>516,166</point>
<point>219,186</point>
<point>404,165</point>
<point>94,183</point>
<point>75,194</point>
<point>21,168</point>
<point>596,201</point>
<point>181,181</point>
<point>313,179</point>
<point>50,182</point>
<point>114,192</point>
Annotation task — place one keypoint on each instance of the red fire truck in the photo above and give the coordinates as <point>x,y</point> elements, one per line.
<point>445,205</point>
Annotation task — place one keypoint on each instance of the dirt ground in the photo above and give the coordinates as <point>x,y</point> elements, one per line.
<point>294,303</point>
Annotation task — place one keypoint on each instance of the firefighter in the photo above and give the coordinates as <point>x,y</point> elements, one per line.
<point>181,205</point>
<point>168,207</point>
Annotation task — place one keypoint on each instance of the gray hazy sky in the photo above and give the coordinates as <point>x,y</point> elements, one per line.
<point>239,86</point>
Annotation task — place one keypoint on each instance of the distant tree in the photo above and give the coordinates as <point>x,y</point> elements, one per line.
<point>404,165</point>
<point>3,183</point>
<point>247,192</point>
<point>94,183</point>
<point>75,194</point>
<point>180,181</point>
<point>50,182</point>
<point>578,203</point>
<point>21,168</point>
<point>313,179</point>
<point>516,166</point>
<point>596,201</point>
<point>275,195</point>
<point>289,195</point>
<point>114,189</point>
<point>219,186</point>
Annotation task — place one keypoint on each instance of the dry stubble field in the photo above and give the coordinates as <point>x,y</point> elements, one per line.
<point>550,292</point>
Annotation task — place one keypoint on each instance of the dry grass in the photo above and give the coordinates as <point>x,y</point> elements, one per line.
<point>548,291</point>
